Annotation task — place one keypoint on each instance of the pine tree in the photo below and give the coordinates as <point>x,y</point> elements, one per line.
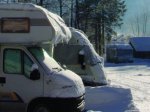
<point>101,16</point>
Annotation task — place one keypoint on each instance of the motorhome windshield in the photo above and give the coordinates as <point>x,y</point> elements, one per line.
<point>43,58</point>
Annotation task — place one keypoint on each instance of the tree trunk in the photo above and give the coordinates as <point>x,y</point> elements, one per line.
<point>77,14</point>
<point>100,36</point>
<point>41,3</point>
<point>103,37</point>
<point>60,7</point>
<point>71,19</point>
<point>96,38</point>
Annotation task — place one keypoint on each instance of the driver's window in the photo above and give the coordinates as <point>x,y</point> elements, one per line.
<point>12,61</point>
<point>27,65</point>
<point>17,62</point>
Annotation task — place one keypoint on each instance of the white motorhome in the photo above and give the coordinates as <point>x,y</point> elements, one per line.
<point>79,56</point>
<point>29,77</point>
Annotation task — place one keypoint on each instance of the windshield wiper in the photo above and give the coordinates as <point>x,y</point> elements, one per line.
<point>56,68</point>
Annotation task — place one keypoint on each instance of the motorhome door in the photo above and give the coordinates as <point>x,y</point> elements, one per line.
<point>16,87</point>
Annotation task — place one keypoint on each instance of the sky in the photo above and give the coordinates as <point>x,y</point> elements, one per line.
<point>134,8</point>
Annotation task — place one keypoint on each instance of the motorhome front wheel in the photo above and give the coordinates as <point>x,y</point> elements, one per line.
<point>41,108</point>
<point>38,107</point>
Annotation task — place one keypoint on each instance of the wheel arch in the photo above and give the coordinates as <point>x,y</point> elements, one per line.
<point>35,101</point>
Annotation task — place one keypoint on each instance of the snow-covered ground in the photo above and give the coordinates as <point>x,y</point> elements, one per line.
<point>129,90</point>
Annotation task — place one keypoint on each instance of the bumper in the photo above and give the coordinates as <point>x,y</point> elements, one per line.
<point>91,83</point>
<point>67,104</point>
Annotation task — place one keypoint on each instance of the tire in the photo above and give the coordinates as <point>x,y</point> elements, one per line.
<point>40,108</point>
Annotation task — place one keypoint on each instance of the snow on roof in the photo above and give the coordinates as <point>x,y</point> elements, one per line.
<point>80,36</point>
<point>59,31</point>
<point>18,6</point>
<point>62,32</point>
<point>140,43</point>
<point>88,47</point>
<point>120,46</point>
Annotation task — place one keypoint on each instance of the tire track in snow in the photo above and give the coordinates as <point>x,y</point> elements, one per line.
<point>135,88</point>
<point>135,84</point>
<point>128,77</point>
<point>137,80</point>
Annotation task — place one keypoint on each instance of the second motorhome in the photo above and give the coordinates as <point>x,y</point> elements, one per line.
<point>28,75</point>
<point>80,56</point>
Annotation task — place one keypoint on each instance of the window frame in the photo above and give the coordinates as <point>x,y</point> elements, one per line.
<point>15,19</point>
<point>4,55</point>
<point>23,62</point>
<point>22,54</point>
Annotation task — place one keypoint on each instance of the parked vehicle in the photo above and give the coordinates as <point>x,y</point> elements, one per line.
<point>28,75</point>
<point>80,56</point>
<point>119,53</point>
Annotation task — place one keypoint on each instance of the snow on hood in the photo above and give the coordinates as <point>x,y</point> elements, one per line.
<point>65,84</point>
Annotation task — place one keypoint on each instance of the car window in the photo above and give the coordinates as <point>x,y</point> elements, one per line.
<point>27,65</point>
<point>12,61</point>
<point>17,62</point>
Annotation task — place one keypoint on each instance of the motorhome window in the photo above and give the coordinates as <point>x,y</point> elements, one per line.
<point>15,25</point>
<point>27,65</point>
<point>43,58</point>
<point>12,61</point>
<point>37,52</point>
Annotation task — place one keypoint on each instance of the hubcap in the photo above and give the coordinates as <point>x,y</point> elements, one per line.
<point>42,109</point>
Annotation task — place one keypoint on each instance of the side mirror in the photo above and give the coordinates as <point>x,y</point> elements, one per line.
<point>2,80</point>
<point>35,74</point>
<point>81,61</point>
<point>64,67</point>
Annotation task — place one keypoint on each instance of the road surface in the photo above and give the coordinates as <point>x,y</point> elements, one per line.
<point>135,76</point>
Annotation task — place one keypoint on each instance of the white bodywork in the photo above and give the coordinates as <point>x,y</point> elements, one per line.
<point>54,82</point>
<point>55,29</point>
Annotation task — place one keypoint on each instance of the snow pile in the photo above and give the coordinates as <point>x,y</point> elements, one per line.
<point>134,76</point>
<point>108,99</point>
